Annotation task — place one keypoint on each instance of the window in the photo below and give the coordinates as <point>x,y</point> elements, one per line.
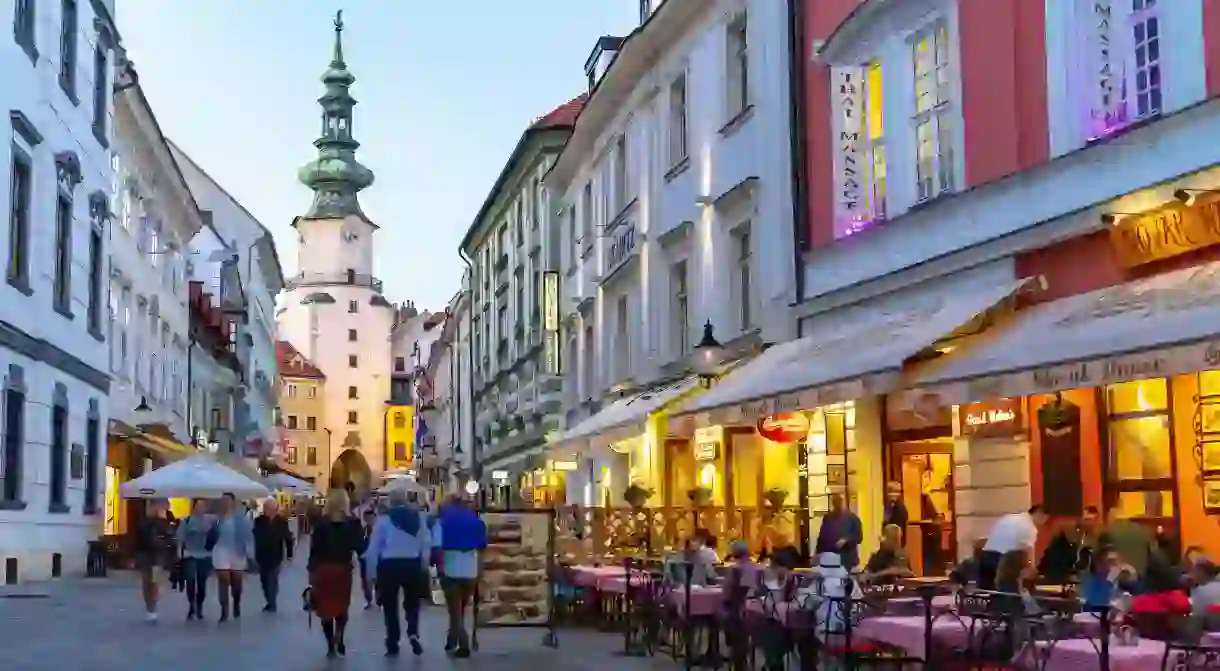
<point>353,307</point>
<point>93,462</point>
<point>20,185</point>
<point>311,423</point>
<point>677,121</point>
<point>353,417</point>
<point>311,455</point>
<point>874,142</point>
<point>1139,459</point>
<point>744,287</point>
<point>519,227</point>
<point>67,48</point>
<point>586,218</point>
<point>589,379</point>
<point>292,391</point>
<point>101,87</point>
<point>681,308</point>
<point>353,392</point>
<point>400,364</point>
<point>622,339</point>
<point>352,361</point>
<point>502,321</point>
<point>400,420</point>
<point>621,185</point>
<point>737,66</point>
<point>573,238</point>
<point>63,253</point>
<point>292,454</point>
<point>538,213</point>
<point>502,240</point>
<point>14,443</point>
<point>96,263</point>
<point>292,421</point>
<point>351,335</point>
<point>311,392</point>
<point>1146,34</point>
<point>933,128</point>
<point>400,451</point>
<point>24,25</point>
<point>59,458</point>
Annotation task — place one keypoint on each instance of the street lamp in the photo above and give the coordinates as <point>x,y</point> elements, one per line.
<point>707,357</point>
<point>142,411</point>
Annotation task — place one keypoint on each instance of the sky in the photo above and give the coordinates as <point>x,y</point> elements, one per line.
<point>445,90</point>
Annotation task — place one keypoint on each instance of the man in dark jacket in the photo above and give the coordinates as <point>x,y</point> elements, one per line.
<point>271,542</point>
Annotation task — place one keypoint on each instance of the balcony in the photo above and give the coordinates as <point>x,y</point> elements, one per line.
<point>325,279</point>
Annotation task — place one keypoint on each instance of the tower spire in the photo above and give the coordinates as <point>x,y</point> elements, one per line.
<point>335,176</point>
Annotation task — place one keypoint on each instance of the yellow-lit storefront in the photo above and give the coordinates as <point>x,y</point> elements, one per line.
<point>130,453</point>
<point>400,437</point>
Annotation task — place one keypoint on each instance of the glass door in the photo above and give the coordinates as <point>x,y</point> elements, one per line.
<point>925,472</point>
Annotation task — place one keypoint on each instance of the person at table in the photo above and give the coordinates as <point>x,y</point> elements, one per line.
<point>889,562</point>
<point>967,570</point>
<point>1133,541</point>
<point>1108,577</point>
<point>1059,560</point>
<point>1205,597</point>
<point>1161,592</point>
<point>895,510</point>
<point>698,558</point>
<point>1017,531</point>
<point>1015,574</point>
<point>840,533</point>
<point>743,574</point>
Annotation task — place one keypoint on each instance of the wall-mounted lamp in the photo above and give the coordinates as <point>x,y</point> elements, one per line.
<point>1112,218</point>
<point>1189,196</point>
<point>708,355</point>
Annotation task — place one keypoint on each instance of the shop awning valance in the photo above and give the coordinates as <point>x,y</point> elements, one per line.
<point>517,460</point>
<point>625,418</point>
<point>861,355</point>
<point>1156,327</point>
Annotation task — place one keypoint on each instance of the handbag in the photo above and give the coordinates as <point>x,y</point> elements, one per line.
<point>213,536</point>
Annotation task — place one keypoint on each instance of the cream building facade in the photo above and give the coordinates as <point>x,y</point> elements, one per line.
<point>304,435</point>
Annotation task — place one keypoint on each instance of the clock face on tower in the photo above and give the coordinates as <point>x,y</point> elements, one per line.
<point>349,236</point>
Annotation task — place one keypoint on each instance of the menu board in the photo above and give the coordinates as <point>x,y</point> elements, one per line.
<point>514,590</point>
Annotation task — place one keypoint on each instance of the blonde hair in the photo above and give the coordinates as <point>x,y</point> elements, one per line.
<point>336,503</point>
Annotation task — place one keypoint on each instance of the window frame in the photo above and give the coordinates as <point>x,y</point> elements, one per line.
<point>737,66</point>
<point>25,27</point>
<point>62,279</point>
<point>17,268</point>
<point>1143,14</point>
<point>69,45</point>
<point>743,283</point>
<point>938,117</point>
<point>12,446</point>
<point>876,191</point>
<point>353,417</point>
<point>680,288</point>
<point>679,120</point>
<point>101,88</point>
<point>1112,486</point>
<point>57,480</point>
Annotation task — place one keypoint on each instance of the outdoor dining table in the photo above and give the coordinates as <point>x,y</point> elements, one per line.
<point>704,599</point>
<point>1075,654</point>
<point>906,632</point>
<point>598,577</point>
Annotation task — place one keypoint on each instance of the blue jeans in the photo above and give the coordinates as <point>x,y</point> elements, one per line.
<point>195,571</point>
<point>400,578</point>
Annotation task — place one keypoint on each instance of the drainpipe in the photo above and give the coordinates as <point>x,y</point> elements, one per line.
<point>476,468</point>
<point>796,134</point>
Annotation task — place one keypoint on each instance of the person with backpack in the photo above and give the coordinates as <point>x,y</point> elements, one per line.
<point>397,557</point>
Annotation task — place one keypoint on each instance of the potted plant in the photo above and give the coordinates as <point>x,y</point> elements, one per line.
<point>700,496</point>
<point>637,495</point>
<point>775,497</point>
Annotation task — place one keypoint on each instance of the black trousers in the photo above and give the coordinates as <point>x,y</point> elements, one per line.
<point>989,563</point>
<point>269,578</point>
<point>405,578</point>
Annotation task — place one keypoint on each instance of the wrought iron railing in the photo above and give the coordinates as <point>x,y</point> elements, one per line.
<point>315,279</point>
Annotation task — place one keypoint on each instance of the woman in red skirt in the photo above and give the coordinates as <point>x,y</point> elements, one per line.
<point>336,538</point>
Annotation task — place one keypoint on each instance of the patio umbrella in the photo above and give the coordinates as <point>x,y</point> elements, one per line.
<point>197,477</point>
<point>289,484</point>
<point>406,484</point>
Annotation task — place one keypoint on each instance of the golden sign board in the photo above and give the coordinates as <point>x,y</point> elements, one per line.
<point>1165,233</point>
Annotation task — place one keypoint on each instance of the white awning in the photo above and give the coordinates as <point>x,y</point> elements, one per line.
<point>625,418</point>
<point>501,463</point>
<point>1156,327</point>
<point>863,354</point>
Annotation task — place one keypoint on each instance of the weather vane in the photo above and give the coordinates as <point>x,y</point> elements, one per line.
<point>339,21</point>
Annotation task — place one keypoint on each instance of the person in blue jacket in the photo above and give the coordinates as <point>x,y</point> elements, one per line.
<point>462,535</point>
<point>397,555</point>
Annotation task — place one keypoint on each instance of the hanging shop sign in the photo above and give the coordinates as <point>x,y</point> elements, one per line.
<point>564,466</point>
<point>996,418</point>
<point>1165,233</point>
<point>550,323</point>
<point>850,204</point>
<point>1107,107</point>
<point>707,442</point>
<point>784,427</point>
<point>621,248</point>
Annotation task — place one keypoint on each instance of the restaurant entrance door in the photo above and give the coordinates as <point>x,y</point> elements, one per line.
<point>925,470</point>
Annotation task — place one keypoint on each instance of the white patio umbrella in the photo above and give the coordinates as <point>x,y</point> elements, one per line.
<point>406,484</point>
<point>289,484</point>
<point>197,477</point>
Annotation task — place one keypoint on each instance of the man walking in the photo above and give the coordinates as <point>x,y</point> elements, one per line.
<point>462,535</point>
<point>397,557</point>
<point>272,540</point>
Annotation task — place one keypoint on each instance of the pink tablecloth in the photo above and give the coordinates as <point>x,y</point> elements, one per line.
<point>907,632</point>
<point>703,600</point>
<point>601,578</point>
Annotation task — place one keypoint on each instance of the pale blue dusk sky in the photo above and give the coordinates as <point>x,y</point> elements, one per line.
<point>445,90</point>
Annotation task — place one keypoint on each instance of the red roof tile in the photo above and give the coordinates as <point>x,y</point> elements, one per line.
<point>562,116</point>
<point>293,364</point>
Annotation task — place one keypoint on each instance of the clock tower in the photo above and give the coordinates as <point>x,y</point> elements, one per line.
<point>334,312</point>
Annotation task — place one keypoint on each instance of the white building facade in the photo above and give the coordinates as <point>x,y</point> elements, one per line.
<point>334,312</point>
<point>675,201</point>
<point>57,64</point>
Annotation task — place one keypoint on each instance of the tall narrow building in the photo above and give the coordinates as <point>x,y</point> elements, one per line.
<point>334,313</point>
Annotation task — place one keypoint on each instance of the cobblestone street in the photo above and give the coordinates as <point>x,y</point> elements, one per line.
<point>81,625</point>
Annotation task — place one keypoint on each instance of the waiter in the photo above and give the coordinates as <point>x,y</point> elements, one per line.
<point>1018,531</point>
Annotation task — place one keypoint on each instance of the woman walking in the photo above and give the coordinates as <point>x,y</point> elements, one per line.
<point>196,538</point>
<point>154,548</point>
<point>336,537</point>
<point>234,544</point>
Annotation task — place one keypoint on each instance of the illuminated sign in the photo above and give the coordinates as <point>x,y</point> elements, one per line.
<point>851,208</point>
<point>620,249</point>
<point>563,465</point>
<point>550,322</point>
<point>1165,233</point>
<point>499,475</point>
<point>991,419</point>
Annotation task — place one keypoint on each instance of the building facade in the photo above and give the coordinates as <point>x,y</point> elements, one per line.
<point>511,252</point>
<point>304,437</point>
<point>58,64</point>
<point>407,428</point>
<point>333,311</point>
<point>675,201</point>
<point>1008,294</point>
<point>444,457</point>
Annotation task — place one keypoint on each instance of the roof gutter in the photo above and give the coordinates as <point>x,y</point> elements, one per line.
<point>797,91</point>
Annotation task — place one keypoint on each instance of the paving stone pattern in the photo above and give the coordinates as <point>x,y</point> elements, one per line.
<point>98,625</point>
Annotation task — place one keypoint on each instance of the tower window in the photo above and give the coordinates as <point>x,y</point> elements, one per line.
<point>351,335</point>
<point>353,307</point>
<point>353,392</point>
<point>352,417</point>
<point>352,361</point>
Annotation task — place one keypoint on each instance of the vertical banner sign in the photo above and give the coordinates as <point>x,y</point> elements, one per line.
<point>848,130</point>
<point>550,322</point>
<point>1107,104</point>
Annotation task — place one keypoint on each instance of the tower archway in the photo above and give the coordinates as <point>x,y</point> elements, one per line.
<point>351,467</point>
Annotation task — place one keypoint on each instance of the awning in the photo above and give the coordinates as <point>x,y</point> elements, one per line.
<point>625,418</point>
<point>1156,327</point>
<point>239,464</point>
<point>861,355</point>
<point>516,460</point>
<point>166,448</point>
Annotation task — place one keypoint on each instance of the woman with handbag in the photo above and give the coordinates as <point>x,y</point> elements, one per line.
<point>197,536</point>
<point>153,541</point>
<point>336,539</point>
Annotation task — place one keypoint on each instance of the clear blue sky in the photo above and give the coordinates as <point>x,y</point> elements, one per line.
<point>445,90</point>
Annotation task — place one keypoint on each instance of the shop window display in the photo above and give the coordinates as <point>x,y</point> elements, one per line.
<point>1140,469</point>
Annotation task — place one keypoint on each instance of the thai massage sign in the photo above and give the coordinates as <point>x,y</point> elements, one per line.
<point>997,418</point>
<point>1107,108</point>
<point>1170,231</point>
<point>550,322</point>
<point>848,130</point>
